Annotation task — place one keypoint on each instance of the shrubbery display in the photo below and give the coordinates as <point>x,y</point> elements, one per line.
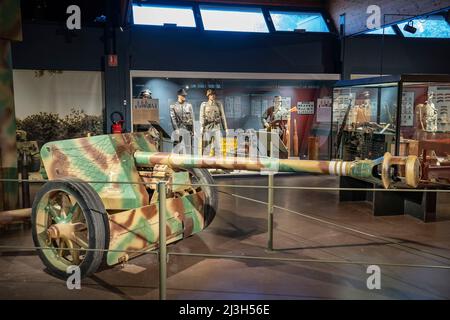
<point>44,127</point>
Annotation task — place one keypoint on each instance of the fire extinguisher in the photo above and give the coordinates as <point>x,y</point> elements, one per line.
<point>117,124</point>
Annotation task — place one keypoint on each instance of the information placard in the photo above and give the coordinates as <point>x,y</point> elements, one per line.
<point>407,117</point>
<point>305,107</point>
<point>145,111</point>
<point>324,109</point>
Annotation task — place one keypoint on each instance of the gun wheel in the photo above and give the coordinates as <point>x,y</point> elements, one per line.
<point>202,176</point>
<point>68,218</point>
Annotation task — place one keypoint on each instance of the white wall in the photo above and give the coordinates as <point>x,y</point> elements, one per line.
<point>58,93</point>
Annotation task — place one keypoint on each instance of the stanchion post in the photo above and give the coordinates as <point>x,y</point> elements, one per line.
<point>270,192</point>
<point>162,240</point>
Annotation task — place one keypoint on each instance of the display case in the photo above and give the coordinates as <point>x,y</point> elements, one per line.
<point>397,114</point>
<point>248,103</point>
<point>405,115</point>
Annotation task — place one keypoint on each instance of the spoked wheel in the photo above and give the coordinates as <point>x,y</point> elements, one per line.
<point>202,176</point>
<point>68,218</point>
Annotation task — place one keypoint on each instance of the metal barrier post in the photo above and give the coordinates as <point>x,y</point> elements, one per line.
<point>162,240</point>
<point>270,192</point>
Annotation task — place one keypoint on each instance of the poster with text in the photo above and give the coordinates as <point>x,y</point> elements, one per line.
<point>324,110</point>
<point>441,100</point>
<point>407,116</point>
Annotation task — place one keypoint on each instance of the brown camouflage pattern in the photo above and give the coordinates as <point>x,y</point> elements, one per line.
<point>138,229</point>
<point>10,30</point>
<point>8,158</point>
<point>377,170</point>
<point>10,20</point>
<point>107,163</point>
<point>106,160</point>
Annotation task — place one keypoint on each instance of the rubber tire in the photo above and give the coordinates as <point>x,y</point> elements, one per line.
<point>94,213</point>
<point>212,195</point>
<point>99,208</point>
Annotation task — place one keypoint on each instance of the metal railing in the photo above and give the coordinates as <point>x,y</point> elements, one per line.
<point>164,254</point>
<point>270,244</point>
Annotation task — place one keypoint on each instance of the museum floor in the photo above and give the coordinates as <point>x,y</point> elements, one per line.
<point>240,229</point>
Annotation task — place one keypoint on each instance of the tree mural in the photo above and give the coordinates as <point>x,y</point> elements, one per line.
<point>44,127</point>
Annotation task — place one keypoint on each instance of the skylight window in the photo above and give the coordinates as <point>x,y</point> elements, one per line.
<point>387,31</point>
<point>293,21</point>
<point>431,27</point>
<point>156,15</point>
<point>221,18</point>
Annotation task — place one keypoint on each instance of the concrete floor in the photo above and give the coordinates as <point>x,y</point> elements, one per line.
<point>240,229</point>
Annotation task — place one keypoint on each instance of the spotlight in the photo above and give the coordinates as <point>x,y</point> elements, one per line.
<point>100,19</point>
<point>410,27</point>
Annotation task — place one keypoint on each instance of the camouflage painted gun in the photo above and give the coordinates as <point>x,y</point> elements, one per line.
<point>117,209</point>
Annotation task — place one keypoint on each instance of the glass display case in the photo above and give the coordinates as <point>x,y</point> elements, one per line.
<point>403,115</point>
<point>304,107</point>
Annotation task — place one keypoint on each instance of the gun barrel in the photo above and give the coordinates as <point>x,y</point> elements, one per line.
<point>362,169</point>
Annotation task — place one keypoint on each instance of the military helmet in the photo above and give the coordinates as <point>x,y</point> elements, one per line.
<point>145,94</point>
<point>210,92</point>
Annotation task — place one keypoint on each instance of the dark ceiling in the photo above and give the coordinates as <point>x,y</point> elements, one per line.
<point>55,10</point>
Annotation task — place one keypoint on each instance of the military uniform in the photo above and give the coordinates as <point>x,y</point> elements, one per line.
<point>212,121</point>
<point>212,116</point>
<point>275,119</point>
<point>182,116</point>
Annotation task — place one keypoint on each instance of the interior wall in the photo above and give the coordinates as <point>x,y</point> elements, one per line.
<point>55,106</point>
<point>151,48</point>
<point>57,93</point>
<point>356,11</point>
<point>193,50</point>
<point>400,55</point>
<point>51,46</point>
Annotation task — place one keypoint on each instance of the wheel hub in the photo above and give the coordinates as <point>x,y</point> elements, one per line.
<point>64,230</point>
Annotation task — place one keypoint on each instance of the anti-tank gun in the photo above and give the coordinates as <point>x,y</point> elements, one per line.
<point>102,195</point>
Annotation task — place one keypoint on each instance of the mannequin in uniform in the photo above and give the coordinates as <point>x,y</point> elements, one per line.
<point>182,113</point>
<point>182,117</point>
<point>212,119</point>
<point>430,114</point>
<point>360,114</point>
<point>426,115</point>
<point>276,117</point>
